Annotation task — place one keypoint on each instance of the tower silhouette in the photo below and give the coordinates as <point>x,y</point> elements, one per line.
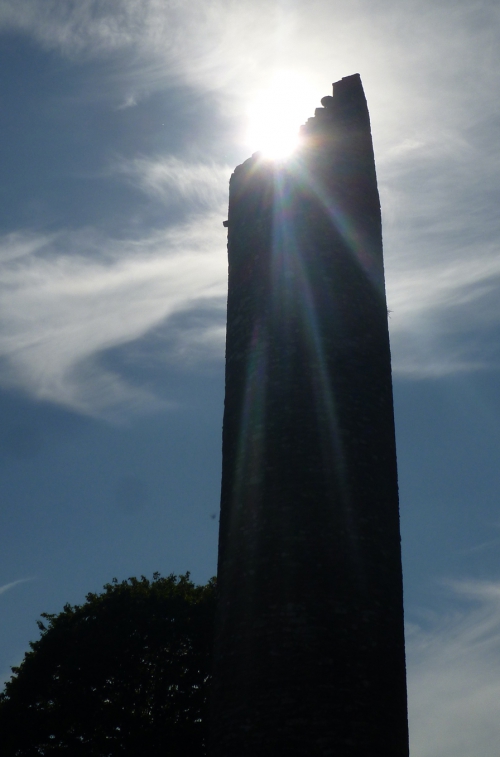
<point>309,656</point>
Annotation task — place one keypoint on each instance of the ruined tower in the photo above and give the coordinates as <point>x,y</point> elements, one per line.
<point>309,655</point>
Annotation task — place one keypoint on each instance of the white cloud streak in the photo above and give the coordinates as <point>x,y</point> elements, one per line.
<point>12,584</point>
<point>76,295</point>
<point>442,236</point>
<point>202,186</point>
<point>68,297</point>
<point>454,677</point>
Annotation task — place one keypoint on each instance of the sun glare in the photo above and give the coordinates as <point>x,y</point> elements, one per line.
<point>276,114</point>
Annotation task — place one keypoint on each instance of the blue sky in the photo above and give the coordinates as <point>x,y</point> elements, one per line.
<point>120,125</point>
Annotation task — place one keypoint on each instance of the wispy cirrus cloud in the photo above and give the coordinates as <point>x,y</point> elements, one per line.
<point>441,239</point>
<point>454,676</point>
<point>202,186</point>
<point>70,297</point>
<point>165,42</point>
<point>12,584</point>
<point>445,314</point>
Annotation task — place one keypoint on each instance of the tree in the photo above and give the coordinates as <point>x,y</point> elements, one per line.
<point>125,673</point>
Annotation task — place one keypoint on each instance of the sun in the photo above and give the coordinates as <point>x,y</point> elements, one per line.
<point>276,113</point>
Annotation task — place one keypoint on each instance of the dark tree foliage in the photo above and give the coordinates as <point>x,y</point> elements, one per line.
<point>125,673</point>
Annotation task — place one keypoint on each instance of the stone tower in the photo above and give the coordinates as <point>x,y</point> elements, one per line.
<point>309,655</point>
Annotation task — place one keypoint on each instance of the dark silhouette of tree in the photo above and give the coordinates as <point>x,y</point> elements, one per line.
<point>125,673</point>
